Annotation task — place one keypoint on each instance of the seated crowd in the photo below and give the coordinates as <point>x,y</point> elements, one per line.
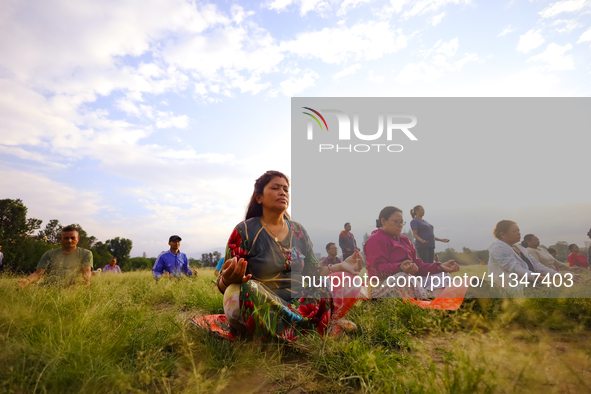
<point>268,254</point>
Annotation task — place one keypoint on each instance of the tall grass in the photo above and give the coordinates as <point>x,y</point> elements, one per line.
<point>129,334</point>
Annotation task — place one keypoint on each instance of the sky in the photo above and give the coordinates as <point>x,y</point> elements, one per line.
<point>143,119</point>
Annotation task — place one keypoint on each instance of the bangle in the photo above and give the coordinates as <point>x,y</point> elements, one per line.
<point>330,269</point>
<point>218,284</point>
<point>224,282</point>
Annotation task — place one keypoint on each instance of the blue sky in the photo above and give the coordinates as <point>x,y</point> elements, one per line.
<point>143,119</point>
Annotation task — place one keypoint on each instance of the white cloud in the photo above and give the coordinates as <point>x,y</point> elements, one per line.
<point>167,120</point>
<point>58,200</point>
<point>251,84</point>
<point>80,52</point>
<point>322,7</point>
<point>586,36</point>
<point>279,5</point>
<point>564,6</point>
<point>438,62</point>
<point>347,71</point>
<point>348,5</point>
<point>227,47</point>
<point>306,6</point>
<point>128,106</point>
<point>507,30</point>
<point>375,78</point>
<point>555,58</point>
<point>421,7</point>
<point>533,81</point>
<point>296,84</point>
<point>48,162</point>
<point>569,25</point>
<point>448,48</point>
<point>238,13</point>
<point>421,71</point>
<point>437,19</point>
<point>530,40</point>
<point>367,41</point>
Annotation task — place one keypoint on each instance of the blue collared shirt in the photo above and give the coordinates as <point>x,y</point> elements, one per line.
<point>173,263</point>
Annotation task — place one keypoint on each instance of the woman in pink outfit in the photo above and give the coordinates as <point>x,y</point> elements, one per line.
<point>391,255</point>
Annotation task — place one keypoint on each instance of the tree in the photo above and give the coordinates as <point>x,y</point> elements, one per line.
<point>482,255</point>
<point>101,255</point>
<point>561,249</point>
<point>53,232</point>
<point>205,259</point>
<point>194,263</point>
<point>14,231</point>
<point>140,263</point>
<point>32,252</point>
<point>447,254</point>
<point>120,248</point>
<point>216,257</point>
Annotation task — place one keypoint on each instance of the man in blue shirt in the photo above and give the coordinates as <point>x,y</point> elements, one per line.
<point>172,262</point>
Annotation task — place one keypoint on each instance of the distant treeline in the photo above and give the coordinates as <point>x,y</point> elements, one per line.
<point>22,248</point>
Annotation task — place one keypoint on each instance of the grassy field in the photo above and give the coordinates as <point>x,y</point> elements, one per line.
<point>129,334</point>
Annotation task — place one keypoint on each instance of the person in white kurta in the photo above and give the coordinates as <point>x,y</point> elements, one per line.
<point>505,258</point>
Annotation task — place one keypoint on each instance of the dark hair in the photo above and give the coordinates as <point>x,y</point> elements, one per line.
<point>502,227</point>
<point>571,246</point>
<point>589,233</point>
<point>328,245</point>
<point>552,250</point>
<point>346,224</point>
<point>385,214</point>
<point>525,243</point>
<point>70,228</point>
<point>255,209</point>
<point>413,212</point>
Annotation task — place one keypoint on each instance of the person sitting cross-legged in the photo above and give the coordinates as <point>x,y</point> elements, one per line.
<point>331,259</point>
<point>391,255</point>
<point>65,266</point>
<point>173,262</point>
<point>270,274</point>
<point>112,266</point>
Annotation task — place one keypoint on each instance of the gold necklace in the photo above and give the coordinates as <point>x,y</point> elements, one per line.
<point>282,226</point>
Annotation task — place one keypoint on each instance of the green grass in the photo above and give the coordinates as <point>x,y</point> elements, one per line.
<point>129,334</point>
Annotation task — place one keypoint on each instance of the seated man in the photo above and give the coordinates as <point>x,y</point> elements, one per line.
<point>332,250</point>
<point>173,262</point>
<point>64,265</point>
<point>112,266</point>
